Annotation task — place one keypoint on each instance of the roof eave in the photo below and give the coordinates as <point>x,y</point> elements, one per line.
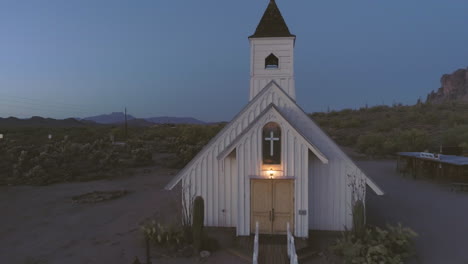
<point>271,36</point>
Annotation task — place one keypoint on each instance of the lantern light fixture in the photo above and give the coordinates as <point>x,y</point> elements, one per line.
<point>271,173</point>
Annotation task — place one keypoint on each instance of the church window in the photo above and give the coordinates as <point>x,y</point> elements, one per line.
<point>271,62</point>
<point>271,143</point>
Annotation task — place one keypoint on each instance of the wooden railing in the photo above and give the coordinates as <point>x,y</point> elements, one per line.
<point>291,247</point>
<point>255,249</point>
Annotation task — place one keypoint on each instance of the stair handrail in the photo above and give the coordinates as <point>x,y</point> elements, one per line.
<point>255,249</point>
<point>291,246</point>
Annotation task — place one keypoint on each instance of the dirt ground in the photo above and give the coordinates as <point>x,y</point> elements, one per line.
<point>439,216</point>
<point>43,225</point>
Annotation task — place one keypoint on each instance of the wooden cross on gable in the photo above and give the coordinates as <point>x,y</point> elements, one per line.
<point>271,139</point>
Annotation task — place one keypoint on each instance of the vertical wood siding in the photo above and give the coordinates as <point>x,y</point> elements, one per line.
<point>330,203</point>
<point>320,189</point>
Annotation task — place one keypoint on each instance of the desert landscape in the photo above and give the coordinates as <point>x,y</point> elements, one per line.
<point>262,132</point>
<point>44,225</point>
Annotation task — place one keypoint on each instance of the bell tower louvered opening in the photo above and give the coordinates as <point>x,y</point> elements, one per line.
<point>271,62</point>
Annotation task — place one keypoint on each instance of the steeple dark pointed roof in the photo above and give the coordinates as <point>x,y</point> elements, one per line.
<point>272,24</point>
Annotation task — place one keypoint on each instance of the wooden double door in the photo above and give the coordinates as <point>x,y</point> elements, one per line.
<point>272,205</point>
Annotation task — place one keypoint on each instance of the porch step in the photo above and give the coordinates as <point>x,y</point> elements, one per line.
<point>272,254</point>
<point>240,254</point>
<point>272,249</point>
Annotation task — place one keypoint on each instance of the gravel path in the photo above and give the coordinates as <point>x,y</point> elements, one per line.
<point>439,216</point>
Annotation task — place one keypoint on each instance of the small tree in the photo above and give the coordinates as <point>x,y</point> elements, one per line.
<point>187,209</point>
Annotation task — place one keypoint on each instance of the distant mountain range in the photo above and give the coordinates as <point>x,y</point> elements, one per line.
<point>106,119</point>
<point>37,121</point>
<point>112,118</point>
<point>174,120</point>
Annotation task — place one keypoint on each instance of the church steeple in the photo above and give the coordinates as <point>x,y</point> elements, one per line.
<point>272,24</point>
<point>272,53</point>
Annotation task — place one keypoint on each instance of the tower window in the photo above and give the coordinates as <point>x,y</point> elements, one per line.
<point>271,62</point>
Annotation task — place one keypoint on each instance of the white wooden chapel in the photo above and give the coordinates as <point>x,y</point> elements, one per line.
<point>272,163</point>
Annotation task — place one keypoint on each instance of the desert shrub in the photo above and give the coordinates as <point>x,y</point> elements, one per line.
<point>431,124</point>
<point>390,146</point>
<point>378,108</point>
<point>189,140</point>
<point>347,139</point>
<point>457,136</point>
<point>351,123</point>
<point>59,161</point>
<point>386,125</point>
<point>86,153</point>
<point>37,175</point>
<point>456,119</point>
<point>391,246</point>
<point>412,140</point>
<point>142,157</point>
<point>376,144</point>
<point>371,144</point>
<point>163,236</point>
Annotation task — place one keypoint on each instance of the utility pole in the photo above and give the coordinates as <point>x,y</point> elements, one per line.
<point>126,126</point>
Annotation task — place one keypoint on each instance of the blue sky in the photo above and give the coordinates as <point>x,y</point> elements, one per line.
<point>191,58</point>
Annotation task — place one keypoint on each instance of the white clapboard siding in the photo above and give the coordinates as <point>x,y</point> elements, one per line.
<point>283,48</point>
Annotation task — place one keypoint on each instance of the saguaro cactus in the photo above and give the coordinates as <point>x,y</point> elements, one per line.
<point>359,224</point>
<point>197,223</point>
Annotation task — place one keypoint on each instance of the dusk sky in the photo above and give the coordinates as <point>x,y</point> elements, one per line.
<point>191,58</point>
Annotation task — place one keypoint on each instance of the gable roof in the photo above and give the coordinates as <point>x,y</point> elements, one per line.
<point>272,24</point>
<point>179,175</point>
<point>271,108</point>
<point>299,120</point>
<point>305,124</point>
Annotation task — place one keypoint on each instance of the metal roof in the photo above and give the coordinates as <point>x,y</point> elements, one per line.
<point>272,24</point>
<point>449,159</point>
<point>301,121</point>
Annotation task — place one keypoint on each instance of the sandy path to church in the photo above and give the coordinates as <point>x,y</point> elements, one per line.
<point>439,216</point>
<point>41,225</point>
